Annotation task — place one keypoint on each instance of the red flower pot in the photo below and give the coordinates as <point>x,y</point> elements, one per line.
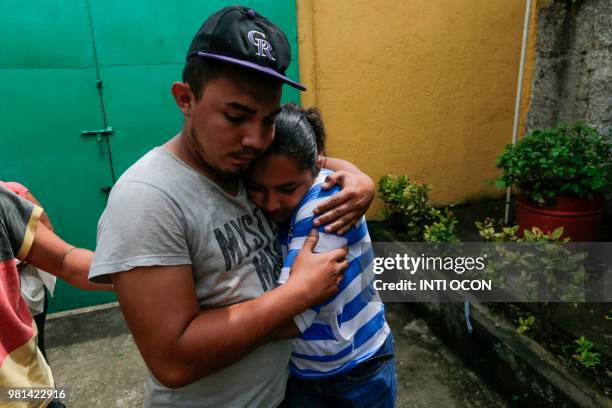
<point>580,217</point>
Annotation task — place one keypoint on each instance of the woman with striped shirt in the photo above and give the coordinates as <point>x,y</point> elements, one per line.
<point>343,353</point>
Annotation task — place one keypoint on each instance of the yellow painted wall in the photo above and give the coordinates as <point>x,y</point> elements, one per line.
<point>418,87</point>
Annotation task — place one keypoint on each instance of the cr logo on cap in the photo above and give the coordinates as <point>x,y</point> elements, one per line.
<point>258,39</point>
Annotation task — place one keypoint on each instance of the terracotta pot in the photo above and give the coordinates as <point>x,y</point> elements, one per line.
<point>580,218</point>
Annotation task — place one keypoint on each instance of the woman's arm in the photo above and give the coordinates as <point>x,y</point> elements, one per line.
<point>50,253</point>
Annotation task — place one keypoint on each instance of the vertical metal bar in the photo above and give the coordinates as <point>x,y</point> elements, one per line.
<point>519,93</point>
<point>99,86</point>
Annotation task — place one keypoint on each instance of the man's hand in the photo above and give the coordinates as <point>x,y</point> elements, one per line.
<point>317,276</point>
<point>344,209</point>
<point>181,343</point>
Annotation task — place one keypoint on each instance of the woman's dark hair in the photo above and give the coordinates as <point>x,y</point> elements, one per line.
<point>299,134</point>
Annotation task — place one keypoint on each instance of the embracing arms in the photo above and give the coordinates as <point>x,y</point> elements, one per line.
<point>344,209</point>
<point>181,343</point>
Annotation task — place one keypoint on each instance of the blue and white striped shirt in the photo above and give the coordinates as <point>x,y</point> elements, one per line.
<point>350,326</point>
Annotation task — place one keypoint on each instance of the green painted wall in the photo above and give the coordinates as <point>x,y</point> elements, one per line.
<point>54,52</point>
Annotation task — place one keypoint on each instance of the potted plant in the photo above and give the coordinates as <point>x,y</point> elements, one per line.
<point>562,175</point>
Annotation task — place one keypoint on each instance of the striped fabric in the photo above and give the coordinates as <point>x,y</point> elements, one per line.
<point>21,362</point>
<point>350,326</point>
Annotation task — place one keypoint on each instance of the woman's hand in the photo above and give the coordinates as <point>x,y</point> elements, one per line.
<point>347,207</point>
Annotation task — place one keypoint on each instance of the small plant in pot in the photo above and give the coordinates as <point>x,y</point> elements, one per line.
<point>562,175</point>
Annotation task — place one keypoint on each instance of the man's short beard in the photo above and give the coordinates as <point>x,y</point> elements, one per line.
<point>199,151</point>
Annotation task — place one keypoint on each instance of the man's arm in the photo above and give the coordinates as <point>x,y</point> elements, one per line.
<point>336,164</point>
<point>181,344</point>
<point>344,209</point>
<point>327,242</point>
<point>288,330</point>
<point>51,254</point>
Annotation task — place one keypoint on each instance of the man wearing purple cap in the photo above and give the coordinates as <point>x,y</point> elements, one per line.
<point>193,261</point>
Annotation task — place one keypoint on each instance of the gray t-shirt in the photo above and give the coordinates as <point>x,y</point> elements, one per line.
<point>163,212</point>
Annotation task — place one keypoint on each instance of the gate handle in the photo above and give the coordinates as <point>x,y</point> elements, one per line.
<point>99,133</point>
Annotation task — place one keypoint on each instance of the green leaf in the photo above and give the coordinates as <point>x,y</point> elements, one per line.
<point>556,234</point>
<point>501,184</point>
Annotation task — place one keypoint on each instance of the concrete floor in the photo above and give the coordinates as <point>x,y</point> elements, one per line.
<point>93,356</point>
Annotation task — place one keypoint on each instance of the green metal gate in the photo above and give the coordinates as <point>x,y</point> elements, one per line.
<point>85,88</point>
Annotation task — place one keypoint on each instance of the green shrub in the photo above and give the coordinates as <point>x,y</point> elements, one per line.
<point>496,232</point>
<point>547,270</point>
<point>407,208</point>
<point>563,160</point>
<point>405,204</point>
<point>442,228</point>
<point>526,324</point>
<point>544,271</point>
<point>584,354</point>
